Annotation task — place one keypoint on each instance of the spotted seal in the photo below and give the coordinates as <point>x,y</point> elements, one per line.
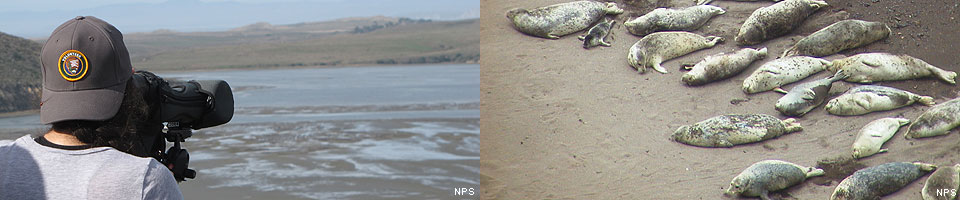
<point>782,71</point>
<point>936,121</point>
<point>872,67</point>
<point>767,176</point>
<point>877,181</point>
<point>667,19</point>
<point>942,184</point>
<point>806,96</point>
<point>776,20</point>
<point>730,130</point>
<point>721,66</point>
<point>560,19</point>
<point>657,47</point>
<point>869,98</point>
<point>839,36</point>
<point>595,36</point>
<point>872,136</point>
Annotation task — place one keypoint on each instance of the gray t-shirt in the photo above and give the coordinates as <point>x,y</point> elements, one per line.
<point>29,170</point>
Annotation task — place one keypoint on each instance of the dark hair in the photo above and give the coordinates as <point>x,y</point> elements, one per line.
<point>119,132</point>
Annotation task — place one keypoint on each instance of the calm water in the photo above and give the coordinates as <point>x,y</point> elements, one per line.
<point>408,132</point>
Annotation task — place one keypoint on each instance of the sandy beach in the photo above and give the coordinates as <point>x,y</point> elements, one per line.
<point>562,122</point>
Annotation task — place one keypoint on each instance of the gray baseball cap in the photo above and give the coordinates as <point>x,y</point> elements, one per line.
<point>85,68</point>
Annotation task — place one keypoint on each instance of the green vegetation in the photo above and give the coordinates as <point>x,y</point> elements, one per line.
<point>20,69</point>
<point>384,40</point>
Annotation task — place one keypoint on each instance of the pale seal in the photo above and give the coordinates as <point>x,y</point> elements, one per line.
<point>657,47</point>
<point>942,184</point>
<point>666,19</point>
<point>936,121</point>
<point>721,66</point>
<point>806,96</point>
<point>767,176</point>
<point>704,2</point>
<point>730,130</point>
<point>782,71</point>
<point>595,36</point>
<point>776,20</point>
<point>870,98</point>
<point>839,36</point>
<point>872,67</point>
<point>560,19</point>
<point>874,134</point>
<point>878,181</point>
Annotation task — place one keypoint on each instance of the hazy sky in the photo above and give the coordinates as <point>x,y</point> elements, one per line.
<point>37,18</point>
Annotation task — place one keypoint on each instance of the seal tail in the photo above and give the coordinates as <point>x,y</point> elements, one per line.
<point>792,125</point>
<point>789,52</point>
<point>762,53</point>
<point>814,172</point>
<point>948,76</point>
<point>926,100</point>
<point>838,76</point>
<point>704,2</point>
<point>925,167</point>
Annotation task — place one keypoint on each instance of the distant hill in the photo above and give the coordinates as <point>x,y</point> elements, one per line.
<point>350,41</point>
<point>19,73</point>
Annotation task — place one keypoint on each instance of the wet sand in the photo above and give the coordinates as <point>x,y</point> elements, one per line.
<point>561,122</point>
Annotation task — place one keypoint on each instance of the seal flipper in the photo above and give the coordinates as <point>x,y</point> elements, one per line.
<point>765,195</point>
<point>870,63</point>
<point>656,66</point>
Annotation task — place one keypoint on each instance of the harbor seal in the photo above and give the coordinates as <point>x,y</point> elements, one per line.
<point>877,181</point>
<point>730,130</point>
<point>839,36</point>
<point>874,134</point>
<point>595,36</point>
<point>936,121</point>
<point>782,71</point>
<point>776,20</point>
<point>704,2</point>
<point>657,47</point>
<point>872,67</point>
<point>666,19</point>
<point>869,98</point>
<point>560,19</point>
<point>942,184</point>
<point>767,176</point>
<point>721,66</point>
<point>806,96</point>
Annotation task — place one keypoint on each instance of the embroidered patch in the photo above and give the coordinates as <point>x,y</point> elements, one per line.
<point>73,65</point>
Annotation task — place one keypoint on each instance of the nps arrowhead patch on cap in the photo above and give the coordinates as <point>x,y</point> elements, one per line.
<point>73,65</point>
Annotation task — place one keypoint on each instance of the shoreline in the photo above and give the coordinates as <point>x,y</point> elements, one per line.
<point>304,67</point>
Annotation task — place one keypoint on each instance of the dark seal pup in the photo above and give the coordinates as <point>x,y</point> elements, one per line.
<point>878,181</point>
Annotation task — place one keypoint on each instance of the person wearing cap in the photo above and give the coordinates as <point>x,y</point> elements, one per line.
<point>94,109</point>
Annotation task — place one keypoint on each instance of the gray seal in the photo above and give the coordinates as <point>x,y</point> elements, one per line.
<point>776,20</point>
<point>705,2</point>
<point>839,36</point>
<point>560,19</point>
<point>657,47</point>
<point>782,71</point>
<point>666,19</point>
<point>767,176</point>
<point>806,96</point>
<point>878,181</point>
<point>942,184</point>
<point>597,34</point>
<point>730,130</point>
<point>871,137</point>
<point>936,121</point>
<point>872,67</point>
<point>721,66</point>
<point>870,98</point>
